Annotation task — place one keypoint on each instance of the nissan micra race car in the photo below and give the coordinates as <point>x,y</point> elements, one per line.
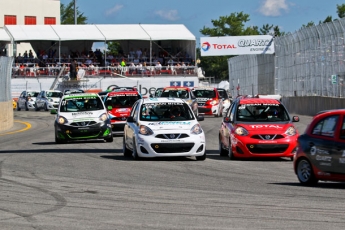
<point>121,103</point>
<point>209,101</point>
<point>163,127</point>
<point>81,116</point>
<point>255,127</point>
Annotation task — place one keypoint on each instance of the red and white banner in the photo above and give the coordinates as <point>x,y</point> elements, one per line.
<point>236,45</point>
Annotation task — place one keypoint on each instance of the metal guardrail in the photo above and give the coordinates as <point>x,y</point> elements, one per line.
<point>309,62</point>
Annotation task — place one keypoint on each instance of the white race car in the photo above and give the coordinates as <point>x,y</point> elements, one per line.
<point>163,127</point>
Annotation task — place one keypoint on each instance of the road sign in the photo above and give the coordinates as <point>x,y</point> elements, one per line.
<point>334,79</point>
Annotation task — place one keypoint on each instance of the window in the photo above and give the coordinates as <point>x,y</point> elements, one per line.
<point>49,21</point>
<point>30,20</point>
<point>326,127</point>
<point>10,20</point>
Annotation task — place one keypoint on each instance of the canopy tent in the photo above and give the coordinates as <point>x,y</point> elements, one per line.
<point>81,37</point>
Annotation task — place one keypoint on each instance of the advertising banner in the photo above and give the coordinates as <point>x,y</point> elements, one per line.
<point>236,45</point>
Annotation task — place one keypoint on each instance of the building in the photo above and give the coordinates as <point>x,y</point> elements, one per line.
<point>27,12</point>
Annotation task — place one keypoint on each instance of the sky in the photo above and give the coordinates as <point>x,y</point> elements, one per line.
<point>289,15</point>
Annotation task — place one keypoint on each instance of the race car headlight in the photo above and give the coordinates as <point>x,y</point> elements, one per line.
<point>144,130</point>
<point>214,102</point>
<point>61,120</point>
<point>196,129</point>
<point>50,99</point>
<point>291,131</point>
<point>241,131</point>
<point>103,117</point>
<point>225,102</point>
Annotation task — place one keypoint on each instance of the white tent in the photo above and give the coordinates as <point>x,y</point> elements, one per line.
<point>160,36</point>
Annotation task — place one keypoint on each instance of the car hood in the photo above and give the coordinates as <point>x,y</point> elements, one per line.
<point>119,112</point>
<point>170,125</point>
<point>82,115</point>
<point>266,127</point>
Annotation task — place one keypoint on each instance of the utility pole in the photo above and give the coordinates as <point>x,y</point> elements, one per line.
<point>75,12</point>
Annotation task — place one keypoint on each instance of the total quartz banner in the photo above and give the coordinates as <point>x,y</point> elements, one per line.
<point>236,45</point>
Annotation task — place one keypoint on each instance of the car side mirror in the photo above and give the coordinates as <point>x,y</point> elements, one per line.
<point>295,119</point>
<point>53,111</point>
<point>130,119</point>
<point>109,107</point>
<point>200,118</point>
<point>226,120</point>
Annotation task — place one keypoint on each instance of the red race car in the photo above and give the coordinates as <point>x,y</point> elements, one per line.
<point>255,127</point>
<point>209,101</point>
<point>321,149</point>
<point>119,104</point>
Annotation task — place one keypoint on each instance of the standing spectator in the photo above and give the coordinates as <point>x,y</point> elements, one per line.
<point>139,53</point>
<point>73,69</point>
<point>123,63</point>
<point>158,68</point>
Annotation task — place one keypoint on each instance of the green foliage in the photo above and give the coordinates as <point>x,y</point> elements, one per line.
<point>67,14</point>
<point>341,10</point>
<point>114,48</point>
<point>311,23</point>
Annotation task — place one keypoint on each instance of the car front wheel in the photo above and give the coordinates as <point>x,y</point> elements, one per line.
<point>135,155</point>
<point>230,152</point>
<point>222,151</point>
<point>305,173</point>
<point>126,151</point>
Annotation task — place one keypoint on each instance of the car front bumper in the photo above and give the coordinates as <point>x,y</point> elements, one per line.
<point>99,130</point>
<point>157,145</point>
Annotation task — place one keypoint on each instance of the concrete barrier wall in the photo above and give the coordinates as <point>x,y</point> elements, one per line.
<point>6,115</point>
<point>310,105</point>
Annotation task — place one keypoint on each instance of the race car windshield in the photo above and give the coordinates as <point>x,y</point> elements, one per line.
<point>205,93</point>
<point>166,111</point>
<point>33,94</point>
<point>53,94</point>
<point>122,101</point>
<point>81,104</point>
<point>261,113</point>
<point>223,94</point>
<point>175,94</point>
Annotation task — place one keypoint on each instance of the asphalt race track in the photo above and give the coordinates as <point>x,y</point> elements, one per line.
<point>90,185</point>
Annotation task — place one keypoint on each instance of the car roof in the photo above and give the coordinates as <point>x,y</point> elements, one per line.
<point>331,111</point>
<point>162,99</point>
<point>81,95</point>
<point>205,88</point>
<point>258,101</point>
<point>123,92</point>
<point>176,88</point>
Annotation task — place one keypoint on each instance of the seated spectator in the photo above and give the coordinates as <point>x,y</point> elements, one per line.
<point>158,68</point>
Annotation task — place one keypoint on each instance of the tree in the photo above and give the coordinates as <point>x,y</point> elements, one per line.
<point>311,23</point>
<point>67,14</point>
<point>114,48</point>
<point>341,10</point>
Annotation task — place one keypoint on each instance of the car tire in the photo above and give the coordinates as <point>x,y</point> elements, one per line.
<point>18,108</point>
<point>201,158</point>
<point>26,106</point>
<point>222,151</point>
<point>305,172</point>
<point>126,151</point>
<point>45,107</point>
<point>58,141</point>
<point>109,139</point>
<point>230,152</point>
<point>135,155</point>
<point>36,107</point>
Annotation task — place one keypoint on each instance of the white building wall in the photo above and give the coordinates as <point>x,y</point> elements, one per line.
<point>22,8</point>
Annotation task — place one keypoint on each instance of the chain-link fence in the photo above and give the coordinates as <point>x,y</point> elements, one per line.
<point>309,62</point>
<point>5,78</point>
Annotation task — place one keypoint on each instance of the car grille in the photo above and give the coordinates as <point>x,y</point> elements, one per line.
<point>89,134</point>
<point>119,118</point>
<point>268,136</point>
<point>83,123</point>
<point>267,148</point>
<point>172,136</point>
<point>201,104</point>
<point>172,147</point>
